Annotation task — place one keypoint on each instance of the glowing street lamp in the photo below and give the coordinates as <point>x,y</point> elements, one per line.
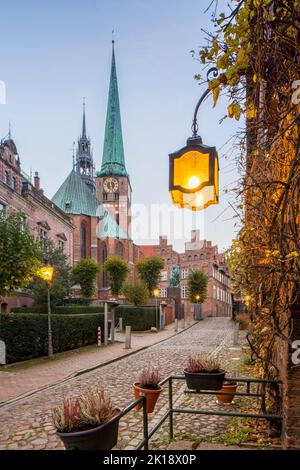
<point>46,273</point>
<point>194,169</point>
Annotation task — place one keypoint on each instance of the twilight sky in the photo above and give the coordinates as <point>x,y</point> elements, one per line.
<point>55,52</point>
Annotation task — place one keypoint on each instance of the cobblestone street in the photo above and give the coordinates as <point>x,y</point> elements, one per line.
<point>26,424</point>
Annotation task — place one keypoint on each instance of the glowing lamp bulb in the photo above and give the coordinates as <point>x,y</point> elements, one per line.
<point>193,182</point>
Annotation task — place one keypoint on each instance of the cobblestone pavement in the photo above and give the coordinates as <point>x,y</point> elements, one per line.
<point>26,424</point>
<point>19,380</point>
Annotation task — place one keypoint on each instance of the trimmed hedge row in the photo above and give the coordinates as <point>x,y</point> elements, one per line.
<point>66,309</point>
<point>26,335</point>
<point>139,318</point>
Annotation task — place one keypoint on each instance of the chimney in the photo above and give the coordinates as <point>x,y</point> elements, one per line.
<point>36,181</point>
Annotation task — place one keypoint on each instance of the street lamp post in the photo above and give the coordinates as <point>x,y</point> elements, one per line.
<point>156,295</point>
<point>198,311</point>
<point>46,273</point>
<point>194,169</point>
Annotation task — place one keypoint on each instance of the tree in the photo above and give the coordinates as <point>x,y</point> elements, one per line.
<point>149,269</point>
<point>136,294</point>
<point>61,283</point>
<point>19,253</point>
<point>197,286</point>
<point>85,273</point>
<point>117,270</point>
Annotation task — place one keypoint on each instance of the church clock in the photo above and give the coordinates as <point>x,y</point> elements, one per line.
<point>111,185</point>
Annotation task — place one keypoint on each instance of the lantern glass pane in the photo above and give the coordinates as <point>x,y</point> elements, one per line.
<point>191,169</point>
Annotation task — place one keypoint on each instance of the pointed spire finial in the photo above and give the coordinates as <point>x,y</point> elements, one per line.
<point>83,120</point>
<point>9,129</point>
<point>113,37</point>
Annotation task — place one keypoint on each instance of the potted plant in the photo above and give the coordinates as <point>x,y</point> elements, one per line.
<point>229,386</point>
<point>89,422</point>
<point>203,373</point>
<point>148,384</point>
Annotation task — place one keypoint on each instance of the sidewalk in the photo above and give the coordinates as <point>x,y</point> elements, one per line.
<point>19,383</point>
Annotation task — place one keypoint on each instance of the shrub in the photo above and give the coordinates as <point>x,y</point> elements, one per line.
<point>202,363</point>
<point>117,270</point>
<point>139,318</point>
<point>82,413</point>
<point>149,379</point>
<point>26,335</point>
<point>136,294</point>
<point>197,286</point>
<point>85,273</point>
<point>64,309</point>
<point>149,269</point>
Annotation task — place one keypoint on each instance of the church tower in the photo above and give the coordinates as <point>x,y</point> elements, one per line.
<point>84,165</point>
<point>113,187</point>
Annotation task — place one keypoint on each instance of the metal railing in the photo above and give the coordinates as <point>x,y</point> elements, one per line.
<point>169,414</point>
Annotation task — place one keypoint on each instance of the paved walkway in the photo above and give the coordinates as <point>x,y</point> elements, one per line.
<point>23,381</point>
<point>26,423</point>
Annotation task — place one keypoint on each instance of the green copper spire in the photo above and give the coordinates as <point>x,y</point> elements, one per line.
<point>83,121</point>
<point>113,162</point>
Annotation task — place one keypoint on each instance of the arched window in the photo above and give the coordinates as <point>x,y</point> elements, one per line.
<point>6,177</point>
<point>83,240</point>
<point>104,258</point>
<point>14,183</point>
<point>202,257</point>
<point>119,251</point>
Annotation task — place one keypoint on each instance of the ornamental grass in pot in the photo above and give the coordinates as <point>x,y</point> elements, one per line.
<point>229,386</point>
<point>89,422</point>
<point>148,384</point>
<point>203,373</point>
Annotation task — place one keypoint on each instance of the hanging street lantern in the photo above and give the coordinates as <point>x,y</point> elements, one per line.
<point>194,169</point>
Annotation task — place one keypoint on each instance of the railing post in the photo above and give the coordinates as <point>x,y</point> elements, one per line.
<point>145,423</point>
<point>171,432</point>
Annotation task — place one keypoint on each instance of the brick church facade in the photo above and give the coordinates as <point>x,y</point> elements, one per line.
<point>99,204</point>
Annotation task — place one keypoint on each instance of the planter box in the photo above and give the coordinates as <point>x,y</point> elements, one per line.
<point>204,381</point>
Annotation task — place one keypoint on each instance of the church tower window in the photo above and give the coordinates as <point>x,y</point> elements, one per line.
<point>83,240</point>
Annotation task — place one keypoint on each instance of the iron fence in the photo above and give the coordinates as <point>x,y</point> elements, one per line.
<point>169,414</point>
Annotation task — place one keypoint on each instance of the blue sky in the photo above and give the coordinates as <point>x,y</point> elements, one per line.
<point>55,52</point>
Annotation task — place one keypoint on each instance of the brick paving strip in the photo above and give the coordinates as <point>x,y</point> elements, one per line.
<point>25,381</point>
<point>26,423</point>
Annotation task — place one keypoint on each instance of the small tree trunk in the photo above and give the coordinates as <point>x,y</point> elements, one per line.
<point>50,345</point>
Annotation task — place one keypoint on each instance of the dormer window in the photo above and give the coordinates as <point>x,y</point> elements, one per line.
<point>68,205</point>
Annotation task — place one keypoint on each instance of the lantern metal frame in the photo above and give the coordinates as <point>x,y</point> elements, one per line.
<point>195,143</point>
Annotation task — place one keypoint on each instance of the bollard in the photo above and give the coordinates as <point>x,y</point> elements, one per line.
<point>105,323</point>
<point>236,334</point>
<point>120,324</point>
<point>176,324</point>
<point>128,337</point>
<point>99,336</point>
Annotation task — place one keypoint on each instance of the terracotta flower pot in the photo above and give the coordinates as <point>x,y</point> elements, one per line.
<point>151,397</point>
<point>226,399</point>
<point>103,437</point>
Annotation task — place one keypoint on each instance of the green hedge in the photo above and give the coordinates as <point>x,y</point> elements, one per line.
<point>26,335</point>
<point>139,318</point>
<point>66,309</point>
